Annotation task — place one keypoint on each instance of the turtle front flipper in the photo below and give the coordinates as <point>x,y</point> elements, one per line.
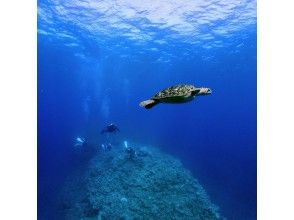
<point>149,103</point>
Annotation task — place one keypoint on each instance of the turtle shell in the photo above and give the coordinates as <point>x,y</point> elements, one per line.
<point>182,90</point>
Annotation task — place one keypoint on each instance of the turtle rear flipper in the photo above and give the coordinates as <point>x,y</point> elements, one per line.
<point>149,103</point>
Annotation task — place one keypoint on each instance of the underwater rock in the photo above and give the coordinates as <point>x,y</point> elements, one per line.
<point>154,186</point>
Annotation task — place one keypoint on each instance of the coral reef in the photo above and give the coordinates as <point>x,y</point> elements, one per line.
<point>153,185</point>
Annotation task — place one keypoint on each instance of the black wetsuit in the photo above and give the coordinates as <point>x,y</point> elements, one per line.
<point>110,129</point>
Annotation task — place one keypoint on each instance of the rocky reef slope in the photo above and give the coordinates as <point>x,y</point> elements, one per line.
<point>152,185</point>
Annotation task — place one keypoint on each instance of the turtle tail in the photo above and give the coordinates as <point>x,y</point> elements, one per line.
<point>148,103</point>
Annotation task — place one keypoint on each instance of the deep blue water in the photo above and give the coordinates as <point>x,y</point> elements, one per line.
<point>97,60</point>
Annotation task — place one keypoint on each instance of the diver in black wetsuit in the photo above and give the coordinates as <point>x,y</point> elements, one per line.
<point>112,128</point>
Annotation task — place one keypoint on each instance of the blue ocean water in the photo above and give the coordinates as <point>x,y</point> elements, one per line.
<point>97,60</point>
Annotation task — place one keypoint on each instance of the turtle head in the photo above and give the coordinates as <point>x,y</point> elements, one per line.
<point>202,91</point>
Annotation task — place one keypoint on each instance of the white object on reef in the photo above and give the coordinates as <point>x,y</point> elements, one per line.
<point>126,144</point>
<point>103,147</point>
<point>124,199</point>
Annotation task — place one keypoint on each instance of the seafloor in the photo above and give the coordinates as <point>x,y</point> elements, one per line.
<point>152,185</point>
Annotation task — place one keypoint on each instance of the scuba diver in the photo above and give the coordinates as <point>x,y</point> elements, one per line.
<point>112,128</point>
<point>106,147</point>
<point>130,151</point>
<point>80,142</point>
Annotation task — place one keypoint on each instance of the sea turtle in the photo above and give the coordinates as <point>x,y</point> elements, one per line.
<point>175,94</point>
